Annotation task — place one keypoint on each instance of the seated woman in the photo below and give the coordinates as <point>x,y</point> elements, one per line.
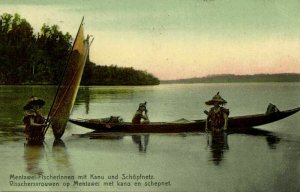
<point>217,118</point>
<point>138,116</point>
<point>141,140</point>
<point>34,121</point>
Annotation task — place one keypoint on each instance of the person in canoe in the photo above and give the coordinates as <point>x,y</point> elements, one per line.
<point>34,121</point>
<point>217,117</point>
<point>139,115</point>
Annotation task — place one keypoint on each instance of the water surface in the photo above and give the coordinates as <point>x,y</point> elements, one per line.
<point>267,161</point>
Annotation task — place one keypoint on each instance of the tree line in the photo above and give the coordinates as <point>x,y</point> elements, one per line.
<point>27,57</point>
<point>112,75</point>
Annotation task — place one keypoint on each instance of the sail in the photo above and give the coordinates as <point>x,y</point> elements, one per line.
<point>67,91</point>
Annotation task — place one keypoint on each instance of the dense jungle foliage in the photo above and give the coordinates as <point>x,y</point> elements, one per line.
<point>112,75</point>
<point>27,57</point>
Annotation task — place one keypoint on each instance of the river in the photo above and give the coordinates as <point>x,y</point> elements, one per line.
<point>154,162</point>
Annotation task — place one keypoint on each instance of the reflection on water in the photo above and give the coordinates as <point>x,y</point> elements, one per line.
<point>87,94</point>
<point>141,141</point>
<point>33,154</point>
<point>218,145</point>
<point>60,155</point>
<point>272,141</point>
<point>218,142</point>
<point>101,135</point>
<point>86,98</point>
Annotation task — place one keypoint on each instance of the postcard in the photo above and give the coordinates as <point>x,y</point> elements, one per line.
<point>149,95</point>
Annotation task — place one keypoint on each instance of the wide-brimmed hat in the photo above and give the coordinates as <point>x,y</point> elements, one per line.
<point>34,101</point>
<point>216,99</point>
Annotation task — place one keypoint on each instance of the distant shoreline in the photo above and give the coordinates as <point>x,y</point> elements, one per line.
<point>231,78</point>
<point>224,78</point>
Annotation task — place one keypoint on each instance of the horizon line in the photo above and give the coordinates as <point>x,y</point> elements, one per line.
<point>230,74</point>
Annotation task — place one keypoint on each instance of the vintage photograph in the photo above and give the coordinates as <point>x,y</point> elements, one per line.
<point>150,95</point>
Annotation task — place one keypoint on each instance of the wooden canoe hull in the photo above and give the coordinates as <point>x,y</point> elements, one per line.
<point>234,124</point>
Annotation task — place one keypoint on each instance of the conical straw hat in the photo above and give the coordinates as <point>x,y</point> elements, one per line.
<point>217,98</point>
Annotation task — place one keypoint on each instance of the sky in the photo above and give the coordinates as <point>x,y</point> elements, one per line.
<point>175,39</point>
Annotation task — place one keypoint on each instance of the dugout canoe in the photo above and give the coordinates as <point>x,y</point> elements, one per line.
<point>234,124</point>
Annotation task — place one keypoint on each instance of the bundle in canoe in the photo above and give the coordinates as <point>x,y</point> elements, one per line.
<point>234,123</point>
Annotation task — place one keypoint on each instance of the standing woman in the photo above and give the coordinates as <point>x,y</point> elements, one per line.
<point>217,118</point>
<point>34,121</point>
